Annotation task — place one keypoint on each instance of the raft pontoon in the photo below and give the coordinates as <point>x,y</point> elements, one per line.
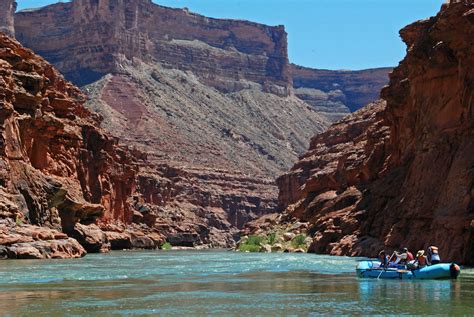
<point>371,269</point>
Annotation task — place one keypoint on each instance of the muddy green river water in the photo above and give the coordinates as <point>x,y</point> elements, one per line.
<point>219,283</point>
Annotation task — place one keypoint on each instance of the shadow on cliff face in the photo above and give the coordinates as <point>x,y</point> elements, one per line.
<point>84,76</point>
<point>411,187</point>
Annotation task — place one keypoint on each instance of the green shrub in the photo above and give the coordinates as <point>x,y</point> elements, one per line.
<point>298,240</point>
<point>272,238</point>
<point>252,244</point>
<point>254,240</point>
<point>18,221</point>
<point>249,247</point>
<point>166,246</point>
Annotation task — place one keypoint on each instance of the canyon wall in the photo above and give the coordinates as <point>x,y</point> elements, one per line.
<point>336,93</point>
<point>7,12</point>
<point>206,102</point>
<point>400,175</point>
<point>211,157</point>
<point>87,39</point>
<point>57,168</point>
<point>152,73</point>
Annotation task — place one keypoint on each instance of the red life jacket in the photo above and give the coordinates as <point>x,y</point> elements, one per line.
<point>410,256</point>
<point>422,260</point>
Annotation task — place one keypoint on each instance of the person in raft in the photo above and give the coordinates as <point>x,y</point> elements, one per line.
<point>421,259</point>
<point>404,258</point>
<point>383,258</point>
<point>433,255</point>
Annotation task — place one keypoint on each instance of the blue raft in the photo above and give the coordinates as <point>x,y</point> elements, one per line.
<point>371,269</point>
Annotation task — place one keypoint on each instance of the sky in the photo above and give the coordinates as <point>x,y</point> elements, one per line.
<point>328,34</point>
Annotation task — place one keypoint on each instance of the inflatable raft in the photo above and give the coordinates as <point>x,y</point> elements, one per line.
<point>371,269</point>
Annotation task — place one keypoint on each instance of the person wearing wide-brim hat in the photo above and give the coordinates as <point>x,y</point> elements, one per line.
<point>421,259</point>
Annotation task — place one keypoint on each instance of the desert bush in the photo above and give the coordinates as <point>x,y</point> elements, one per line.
<point>271,238</point>
<point>252,244</point>
<point>298,240</point>
<point>166,246</point>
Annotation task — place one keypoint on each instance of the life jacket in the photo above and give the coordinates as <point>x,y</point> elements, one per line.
<point>410,256</point>
<point>434,255</point>
<point>421,260</point>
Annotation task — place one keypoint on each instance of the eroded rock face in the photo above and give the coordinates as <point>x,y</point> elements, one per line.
<point>7,13</point>
<point>350,152</point>
<point>412,187</point>
<point>57,167</point>
<point>211,153</point>
<point>336,93</point>
<point>226,54</point>
<point>22,241</point>
<point>209,207</point>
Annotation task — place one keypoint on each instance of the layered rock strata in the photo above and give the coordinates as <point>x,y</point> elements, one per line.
<point>7,16</point>
<point>211,156</point>
<point>336,93</point>
<point>174,118</point>
<point>226,54</point>
<point>403,176</point>
<point>204,206</point>
<point>23,241</point>
<point>207,102</point>
<point>57,169</point>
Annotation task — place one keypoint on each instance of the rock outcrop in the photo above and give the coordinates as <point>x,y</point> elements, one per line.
<point>336,93</point>
<point>23,241</point>
<point>402,176</point>
<point>56,167</point>
<point>227,54</point>
<point>7,16</point>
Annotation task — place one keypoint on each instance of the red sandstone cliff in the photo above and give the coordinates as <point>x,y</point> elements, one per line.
<point>56,167</point>
<point>7,12</point>
<point>402,176</point>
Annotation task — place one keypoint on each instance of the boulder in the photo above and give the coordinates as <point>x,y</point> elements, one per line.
<point>266,248</point>
<point>119,240</point>
<point>288,236</point>
<point>91,237</point>
<point>277,247</point>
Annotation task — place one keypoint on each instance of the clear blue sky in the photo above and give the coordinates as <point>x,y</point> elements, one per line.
<point>332,34</point>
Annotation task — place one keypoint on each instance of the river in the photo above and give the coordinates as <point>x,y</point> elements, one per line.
<point>218,283</point>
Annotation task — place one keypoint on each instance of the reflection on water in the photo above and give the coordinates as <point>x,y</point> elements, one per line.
<point>218,283</point>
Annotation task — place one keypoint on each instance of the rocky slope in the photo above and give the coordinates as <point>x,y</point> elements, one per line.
<point>173,117</point>
<point>336,93</point>
<point>212,155</point>
<point>401,175</point>
<point>7,11</point>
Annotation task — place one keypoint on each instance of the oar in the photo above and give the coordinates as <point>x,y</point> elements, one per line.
<point>380,273</point>
<point>390,258</point>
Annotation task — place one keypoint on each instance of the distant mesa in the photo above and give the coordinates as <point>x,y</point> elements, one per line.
<point>88,39</point>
